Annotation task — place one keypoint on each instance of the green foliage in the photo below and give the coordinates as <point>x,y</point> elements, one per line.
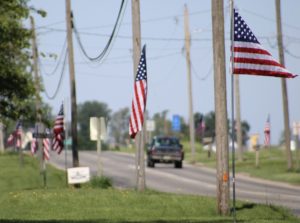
<point>85,111</point>
<point>16,84</point>
<point>119,126</point>
<point>101,182</point>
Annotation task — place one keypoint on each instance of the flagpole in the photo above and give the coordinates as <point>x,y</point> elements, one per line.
<point>65,102</point>
<point>232,109</point>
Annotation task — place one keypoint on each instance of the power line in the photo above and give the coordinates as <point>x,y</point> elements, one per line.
<point>51,24</point>
<point>58,62</point>
<point>270,19</point>
<point>108,44</point>
<point>60,79</point>
<point>209,72</point>
<point>291,54</point>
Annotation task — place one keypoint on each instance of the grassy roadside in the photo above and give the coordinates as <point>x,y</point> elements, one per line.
<point>23,199</point>
<point>272,164</point>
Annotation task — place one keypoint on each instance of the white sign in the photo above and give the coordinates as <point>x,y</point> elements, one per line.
<point>150,125</point>
<point>94,122</point>
<point>93,128</point>
<point>78,175</point>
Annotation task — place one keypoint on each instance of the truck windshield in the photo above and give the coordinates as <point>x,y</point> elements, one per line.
<point>167,142</point>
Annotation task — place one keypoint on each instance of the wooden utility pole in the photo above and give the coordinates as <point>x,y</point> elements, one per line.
<point>284,89</point>
<point>72,84</point>
<point>35,70</point>
<point>190,92</point>
<point>139,139</point>
<point>220,107</point>
<point>238,118</point>
<point>39,126</point>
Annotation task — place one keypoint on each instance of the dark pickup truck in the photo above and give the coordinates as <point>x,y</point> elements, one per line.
<point>165,149</point>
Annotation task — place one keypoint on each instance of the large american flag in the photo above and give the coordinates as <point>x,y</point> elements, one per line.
<point>139,98</point>
<point>249,55</point>
<point>267,132</point>
<point>58,131</point>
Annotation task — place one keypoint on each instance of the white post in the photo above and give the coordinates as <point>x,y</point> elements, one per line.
<point>99,147</point>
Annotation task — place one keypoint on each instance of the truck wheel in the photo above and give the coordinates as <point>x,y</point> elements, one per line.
<point>178,164</point>
<point>151,163</point>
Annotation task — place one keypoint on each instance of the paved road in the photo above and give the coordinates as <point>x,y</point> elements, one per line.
<point>190,179</point>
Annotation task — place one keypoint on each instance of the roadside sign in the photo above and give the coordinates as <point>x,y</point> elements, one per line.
<point>94,121</point>
<point>150,125</point>
<point>68,141</point>
<point>176,123</point>
<point>207,140</point>
<point>78,175</point>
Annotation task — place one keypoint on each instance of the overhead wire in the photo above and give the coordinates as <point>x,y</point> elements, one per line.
<point>291,54</point>
<point>58,62</point>
<point>270,19</point>
<point>108,44</point>
<point>149,20</point>
<point>51,24</point>
<point>51,97</point>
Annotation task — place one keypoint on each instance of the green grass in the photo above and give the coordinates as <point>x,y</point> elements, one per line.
<point>272,163</point>
<point>23,199</point>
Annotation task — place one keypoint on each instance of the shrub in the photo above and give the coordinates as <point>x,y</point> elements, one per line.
<point>101,182</point>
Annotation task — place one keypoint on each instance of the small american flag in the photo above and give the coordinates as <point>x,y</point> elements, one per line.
<point>140,96</point>
<point>15,138</point>
<point>267,132</point>
<point>201,125</point>
<point>46,146</point>
<point>250,57</point>
<point>58,131</point>
<point>33,147</point>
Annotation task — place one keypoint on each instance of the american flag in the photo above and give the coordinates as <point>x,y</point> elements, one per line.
<point>15,138</point>
<point>267,132</point>
<point>140,96</point>
<point>33,147</point>
<point>201,125</point>
<point>46,147</point>
<point>58,131</point>
<point>249,55</point>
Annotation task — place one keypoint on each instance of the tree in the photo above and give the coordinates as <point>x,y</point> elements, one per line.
<point>16,84</point>
<point>198,117</point>
<point>162,124</point>
<point>85,111</point>
<point>210,127</point>
<point>245,131</point>
<point>119,126</point>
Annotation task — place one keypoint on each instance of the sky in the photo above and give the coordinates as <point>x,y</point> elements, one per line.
<point>162,30</point>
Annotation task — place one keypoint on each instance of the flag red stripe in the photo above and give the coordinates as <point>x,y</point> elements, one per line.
<point>134,116</point>
<point>262,73</point>
<point>257,61</point>
<point>142,87</point>
<point>139,107</point>
<point>251,50</point>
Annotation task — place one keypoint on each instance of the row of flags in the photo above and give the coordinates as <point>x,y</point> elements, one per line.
<point>57,144</point>
<point>249,58</point>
